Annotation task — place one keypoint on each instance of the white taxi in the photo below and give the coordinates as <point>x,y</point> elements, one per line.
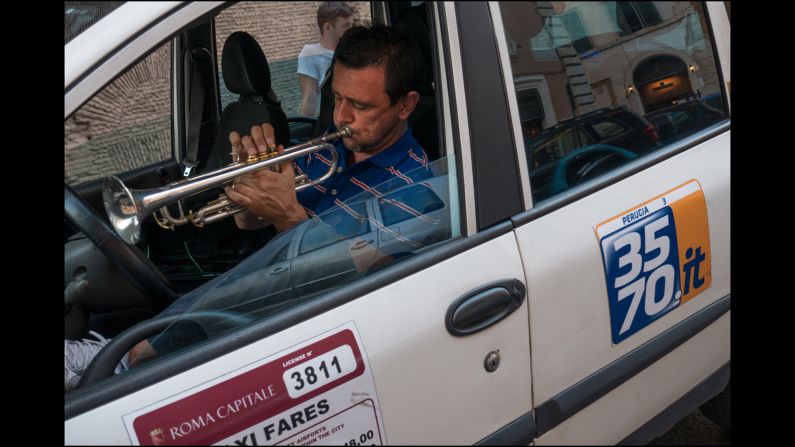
<point>566,279</point>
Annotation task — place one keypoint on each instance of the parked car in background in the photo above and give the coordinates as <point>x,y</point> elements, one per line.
<point>683,119</point>
<point>616,127</point>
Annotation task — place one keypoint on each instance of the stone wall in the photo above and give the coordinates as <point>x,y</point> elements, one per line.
<point>125,126</point>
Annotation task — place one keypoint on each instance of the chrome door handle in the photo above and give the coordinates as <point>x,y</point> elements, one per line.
<point>484,306</point>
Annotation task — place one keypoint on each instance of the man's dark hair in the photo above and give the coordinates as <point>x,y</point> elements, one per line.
<point>379,45</point>
<point>329,11</point>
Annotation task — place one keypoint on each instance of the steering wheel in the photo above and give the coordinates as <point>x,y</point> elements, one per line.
<point>141,272</point>
<point>103,365</point>
<point>587,163</point>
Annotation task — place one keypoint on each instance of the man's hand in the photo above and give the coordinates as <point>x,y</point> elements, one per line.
<point>141,352</point>
<point>262,137</point>
<point>268,195</point>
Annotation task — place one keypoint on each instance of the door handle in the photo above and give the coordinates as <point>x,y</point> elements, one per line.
<point>361,244</point>
<point>279,270</point>
<point>484,306</point>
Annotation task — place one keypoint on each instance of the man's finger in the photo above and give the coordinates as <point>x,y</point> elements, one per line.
<point>270,134</point>
<point>286,167</point>
<point>248,144</point>
<point>234,138</point>
<point>259,139</point>
<point>235,195</point>
<point>237,146</point>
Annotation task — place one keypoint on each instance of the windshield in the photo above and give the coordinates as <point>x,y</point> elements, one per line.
<point>373,230</point>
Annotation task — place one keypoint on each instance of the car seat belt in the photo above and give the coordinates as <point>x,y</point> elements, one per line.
<point>195,115</point>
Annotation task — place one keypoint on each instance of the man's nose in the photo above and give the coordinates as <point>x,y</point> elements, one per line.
<point>343,113</point>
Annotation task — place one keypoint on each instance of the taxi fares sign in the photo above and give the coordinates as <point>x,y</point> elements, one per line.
<point>656,257</point>
<point>320,391</point>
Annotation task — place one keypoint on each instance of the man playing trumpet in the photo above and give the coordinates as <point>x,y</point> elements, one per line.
<point>376,74</point>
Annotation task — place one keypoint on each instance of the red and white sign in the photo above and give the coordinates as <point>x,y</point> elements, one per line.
<point>318,392</point>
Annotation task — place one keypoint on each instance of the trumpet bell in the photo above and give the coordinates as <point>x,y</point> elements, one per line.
<point>123,212</point>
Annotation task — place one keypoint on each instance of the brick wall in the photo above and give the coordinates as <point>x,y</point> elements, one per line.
<point>123,127</point>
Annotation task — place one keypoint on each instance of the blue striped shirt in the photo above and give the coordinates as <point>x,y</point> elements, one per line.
<point>398,163</point>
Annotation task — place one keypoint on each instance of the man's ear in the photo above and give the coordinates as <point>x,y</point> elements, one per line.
<point>408,104</point>
<point>327,27</point>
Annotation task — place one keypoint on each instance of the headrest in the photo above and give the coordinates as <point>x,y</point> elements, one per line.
<point>244,66</point>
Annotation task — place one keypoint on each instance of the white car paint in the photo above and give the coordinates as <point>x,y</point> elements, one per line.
<point>722,38</point>
<point>624,409</point>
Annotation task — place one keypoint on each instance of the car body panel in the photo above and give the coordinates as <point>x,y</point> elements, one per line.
<point>721,26</point>
<point>638,400</point>
<point>575,313</point>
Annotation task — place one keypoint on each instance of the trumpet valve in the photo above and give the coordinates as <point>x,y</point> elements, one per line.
<point>267,155</point>
<point>301,180</point>
<point>196,219</point>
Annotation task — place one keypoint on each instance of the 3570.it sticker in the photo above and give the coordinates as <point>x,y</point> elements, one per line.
<point>656,257</point>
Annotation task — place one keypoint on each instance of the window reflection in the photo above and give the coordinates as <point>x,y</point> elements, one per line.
<point>601,83</point>
<point>369,232</point>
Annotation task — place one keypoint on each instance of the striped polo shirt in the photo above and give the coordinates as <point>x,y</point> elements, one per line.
<point>400,164</point>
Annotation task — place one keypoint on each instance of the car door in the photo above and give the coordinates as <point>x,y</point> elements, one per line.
<point>432,348</point>
<point>622,348</point>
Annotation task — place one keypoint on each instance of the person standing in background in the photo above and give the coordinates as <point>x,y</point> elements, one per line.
<point>333,19</point>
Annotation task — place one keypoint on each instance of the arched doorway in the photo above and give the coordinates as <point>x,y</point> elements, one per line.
<point>662,81</point>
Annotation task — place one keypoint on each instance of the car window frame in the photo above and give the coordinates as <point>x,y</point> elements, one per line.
<point>85,79</point>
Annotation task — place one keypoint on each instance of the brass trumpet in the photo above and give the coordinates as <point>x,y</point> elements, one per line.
<point>127,208</point>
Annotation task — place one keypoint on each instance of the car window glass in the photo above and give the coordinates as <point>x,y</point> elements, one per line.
<point>607,128</point>
<point>315,236</point>
<point>408,203</point>
<point>558,144</point>
<point>281,29</point>
<point>599,84</point>
<point>262,284</point>
<point>126,125</point>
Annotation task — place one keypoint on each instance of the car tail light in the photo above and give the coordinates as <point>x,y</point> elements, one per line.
<point>651,132</point>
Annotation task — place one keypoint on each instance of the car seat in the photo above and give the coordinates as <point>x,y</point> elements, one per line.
<point>246,73</point>
<point>414,22</point>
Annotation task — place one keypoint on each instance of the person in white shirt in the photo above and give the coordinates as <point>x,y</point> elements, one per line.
<point>333,19</point>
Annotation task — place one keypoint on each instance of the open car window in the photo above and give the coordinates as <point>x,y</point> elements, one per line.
<point>367,233</point>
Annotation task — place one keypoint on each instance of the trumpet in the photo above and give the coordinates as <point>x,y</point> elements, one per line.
<point>127,208</point>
